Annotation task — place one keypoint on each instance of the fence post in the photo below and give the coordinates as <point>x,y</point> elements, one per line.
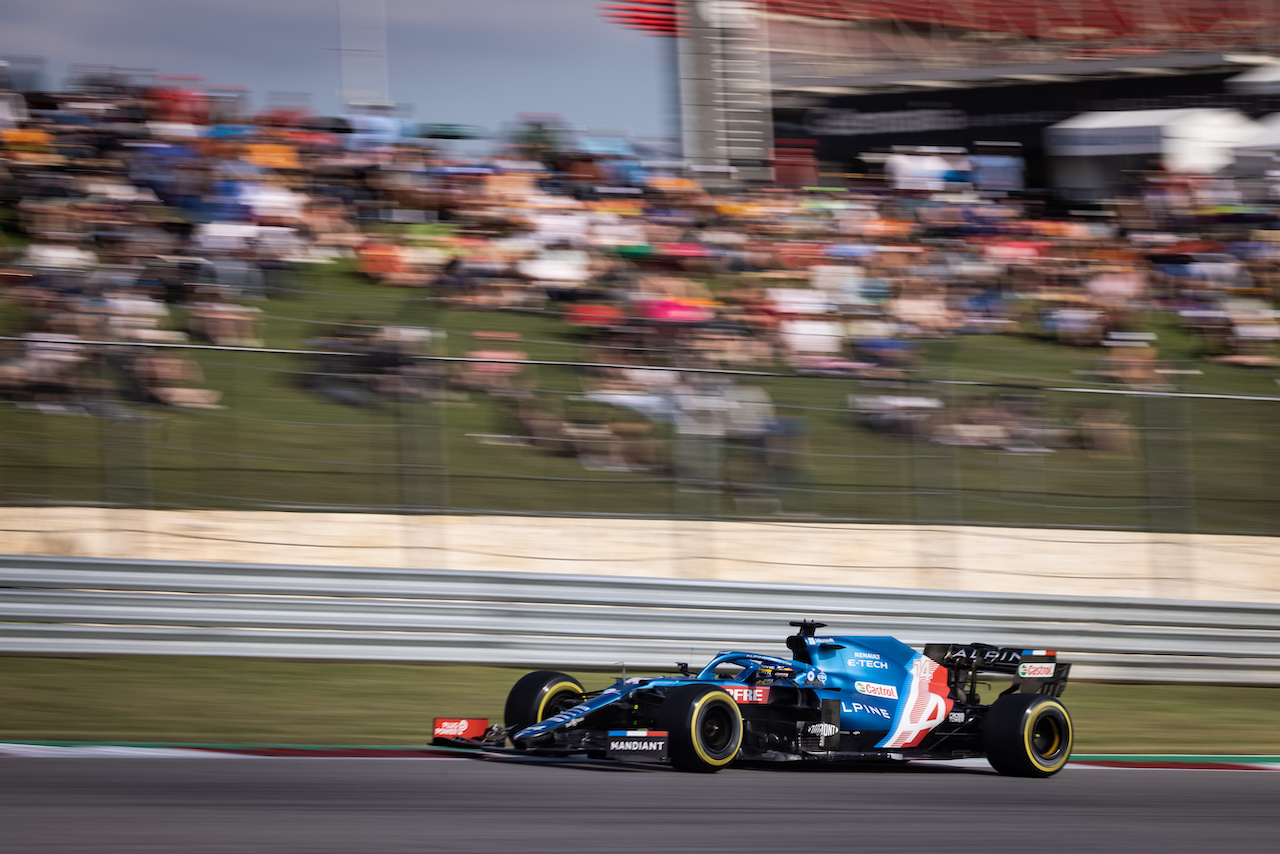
<point>698,470</point>
<point>423,454</point>
<point>1167,448</point>
<point>935,504</point>
<point>127,475</point>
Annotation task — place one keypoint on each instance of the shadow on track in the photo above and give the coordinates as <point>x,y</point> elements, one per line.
<point>798,767</point>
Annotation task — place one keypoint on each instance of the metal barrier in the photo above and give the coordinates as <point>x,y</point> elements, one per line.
<point>51,605</point>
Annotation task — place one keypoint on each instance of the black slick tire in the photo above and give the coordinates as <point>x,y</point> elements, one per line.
<point>704,728</point>
<point>539,695</point>
<point>1027,735</point>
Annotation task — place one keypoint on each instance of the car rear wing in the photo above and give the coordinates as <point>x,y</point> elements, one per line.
<point>1034,671</point>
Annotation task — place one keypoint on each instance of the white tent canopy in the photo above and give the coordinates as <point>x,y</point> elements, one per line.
<point>1263,80</point>
<point>1095,155</point>
<point>1256,156</point>
<point>1266,140</point>
<point>1187,140</point>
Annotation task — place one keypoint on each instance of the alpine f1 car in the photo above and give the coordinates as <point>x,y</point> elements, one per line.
<point>838,698</point>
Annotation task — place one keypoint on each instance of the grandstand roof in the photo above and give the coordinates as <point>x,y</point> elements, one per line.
<point>1165,64</point>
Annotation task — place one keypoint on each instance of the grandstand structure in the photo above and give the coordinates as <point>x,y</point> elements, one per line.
<point>832,39</point>
<point>833,63</point>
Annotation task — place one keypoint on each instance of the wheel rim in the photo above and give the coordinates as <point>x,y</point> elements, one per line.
<point>1047,737</point>
<point>716,729</point>
<point>560,697</point>
<point>561,702</point>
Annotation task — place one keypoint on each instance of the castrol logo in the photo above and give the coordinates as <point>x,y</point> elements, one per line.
<point>875,689</point>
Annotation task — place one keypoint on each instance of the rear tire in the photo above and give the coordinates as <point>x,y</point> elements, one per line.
<point>704,728</point>
<point>1027,735</point>
<point>539,695</point>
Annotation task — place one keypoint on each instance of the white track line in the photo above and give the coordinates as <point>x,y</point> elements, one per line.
<point>107,751</point>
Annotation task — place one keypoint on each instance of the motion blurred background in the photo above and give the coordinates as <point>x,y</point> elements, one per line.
<point>956,298</point>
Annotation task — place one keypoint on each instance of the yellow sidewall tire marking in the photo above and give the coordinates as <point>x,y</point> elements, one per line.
<point>1028,731</point>
<point>550,695</point>
<point>697,742</point>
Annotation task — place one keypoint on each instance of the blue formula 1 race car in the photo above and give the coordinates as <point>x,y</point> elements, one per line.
<point>837,699</point>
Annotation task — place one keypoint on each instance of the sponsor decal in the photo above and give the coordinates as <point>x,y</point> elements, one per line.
<point>636,745</point>
<point>875,689</point>
<point>925,705</point>
<point>638,741</point>
<point>988,655</point>
<point>569,718</point>
<point>869,662</point>
<point>866,709</point>
<point>459,727</point>
<point>823,729</point>
<point>1037,670</point>
<point>849,122</point>
<point>574,712</point>
<point>865,655</point>
<point>572,718</point>
<point>956,717</point>
<point>815,677</point>
<point>747,695</point>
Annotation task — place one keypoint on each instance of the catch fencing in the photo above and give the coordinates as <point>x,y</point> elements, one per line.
<point>326,430</point>
<point>82,606</point>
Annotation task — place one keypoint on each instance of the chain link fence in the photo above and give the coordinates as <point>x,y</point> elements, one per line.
<point>409,429</point>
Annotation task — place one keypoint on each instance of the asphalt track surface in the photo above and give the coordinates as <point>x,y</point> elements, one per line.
<point>358,806</point>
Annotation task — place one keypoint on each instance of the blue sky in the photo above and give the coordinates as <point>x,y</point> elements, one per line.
<point>458,61</point>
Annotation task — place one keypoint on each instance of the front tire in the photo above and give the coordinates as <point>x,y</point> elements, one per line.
<point>704,728</point>
<point>539,695</point>
<point>1027,735</point>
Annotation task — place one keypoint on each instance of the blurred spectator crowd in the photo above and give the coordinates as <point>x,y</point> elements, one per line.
<point>129,239</point>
